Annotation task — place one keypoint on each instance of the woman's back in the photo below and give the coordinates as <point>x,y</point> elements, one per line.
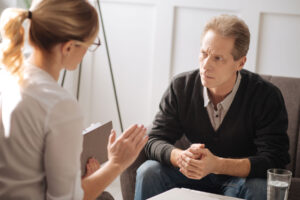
<point>40,131</point>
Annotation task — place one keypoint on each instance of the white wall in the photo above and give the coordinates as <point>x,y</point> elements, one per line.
<point>152,40</point>
<point>7,3</point>
<point>280,53</point>
<point>130,33</point>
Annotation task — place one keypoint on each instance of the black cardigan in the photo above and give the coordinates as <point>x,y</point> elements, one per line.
<point>254,127</point>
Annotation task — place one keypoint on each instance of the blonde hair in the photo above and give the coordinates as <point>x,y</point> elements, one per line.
<point>231,26</point>
<point>12,33</point>
<point>52,22</point>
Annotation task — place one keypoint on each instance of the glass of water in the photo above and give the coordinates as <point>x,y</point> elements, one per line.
<point>279,181</point>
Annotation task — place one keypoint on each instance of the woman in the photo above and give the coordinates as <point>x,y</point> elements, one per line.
<point>40,123</point>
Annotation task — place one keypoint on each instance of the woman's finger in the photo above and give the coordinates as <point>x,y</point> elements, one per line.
<point>142,143</point>
<point>139,136</point>
<point>128,131</point>
<point>135,133</point>
<point>112,137</point>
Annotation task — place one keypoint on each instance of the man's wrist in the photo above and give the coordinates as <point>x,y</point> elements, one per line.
<point>220,162</point>
<point>175,153</point>
<point>232,167</point>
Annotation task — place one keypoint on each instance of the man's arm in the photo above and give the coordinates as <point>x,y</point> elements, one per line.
<point>166,127</point>
<point>271,139</point>
<point>234,167</point>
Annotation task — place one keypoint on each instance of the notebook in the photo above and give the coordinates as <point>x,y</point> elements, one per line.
<point>95,140</point>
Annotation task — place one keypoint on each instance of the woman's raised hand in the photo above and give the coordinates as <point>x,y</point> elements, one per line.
<point>123,151</point>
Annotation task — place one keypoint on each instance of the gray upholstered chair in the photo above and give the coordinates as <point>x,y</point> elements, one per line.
<point>105,196</point>
<point>290,88</point>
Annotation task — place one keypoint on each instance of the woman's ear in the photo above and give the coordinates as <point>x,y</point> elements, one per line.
<point>67,47</point>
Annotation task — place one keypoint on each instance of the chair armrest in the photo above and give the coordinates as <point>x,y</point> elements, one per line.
<point>105,196</point>
<point>294,193</point>
<point>128,177</point>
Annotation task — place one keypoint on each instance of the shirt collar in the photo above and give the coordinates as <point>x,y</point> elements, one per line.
<point>205,97</point>
<point>228,100</point>
<point>32,69</point>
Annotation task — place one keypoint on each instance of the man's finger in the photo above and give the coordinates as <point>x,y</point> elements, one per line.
<point>192,168</point>
<point>198,145</point>
<point>188,154</point>
<point>190,161</point>
<point>199,151</point>
<point>189,174</point>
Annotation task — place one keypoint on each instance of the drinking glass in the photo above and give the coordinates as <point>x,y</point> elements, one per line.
<point>279,181</point>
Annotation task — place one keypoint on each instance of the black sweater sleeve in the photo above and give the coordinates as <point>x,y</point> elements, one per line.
<point>166,128</point>
<point>270,137</point>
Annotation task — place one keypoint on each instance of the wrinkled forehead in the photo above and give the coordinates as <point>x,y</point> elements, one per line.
<point>215,43</point>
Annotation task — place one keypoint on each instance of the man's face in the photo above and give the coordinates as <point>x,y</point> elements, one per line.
<point>217,66</point>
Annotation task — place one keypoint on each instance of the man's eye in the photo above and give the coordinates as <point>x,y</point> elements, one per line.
<point>203,54</point>
<point>218,58</point>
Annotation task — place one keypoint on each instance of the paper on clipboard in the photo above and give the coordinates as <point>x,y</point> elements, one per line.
<point>95,140</point>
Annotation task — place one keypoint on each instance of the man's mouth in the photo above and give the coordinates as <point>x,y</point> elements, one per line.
<point>207,76</point>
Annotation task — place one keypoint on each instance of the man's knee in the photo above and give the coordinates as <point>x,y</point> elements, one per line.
<point>255,188</point>
<point>148,170</point>
<point>151,180</point>
<point>256,184</point>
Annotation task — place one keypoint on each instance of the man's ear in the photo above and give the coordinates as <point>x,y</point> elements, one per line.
<point>241,63</point>
<point>67,47</point>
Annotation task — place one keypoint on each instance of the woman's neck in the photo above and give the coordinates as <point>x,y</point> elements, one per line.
<point>46,62</point>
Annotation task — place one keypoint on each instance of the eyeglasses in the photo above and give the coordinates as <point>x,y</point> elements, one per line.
<point>94,46</point>
<point>91,47</point>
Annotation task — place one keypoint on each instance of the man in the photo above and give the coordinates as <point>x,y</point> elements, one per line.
<point>235,121</point>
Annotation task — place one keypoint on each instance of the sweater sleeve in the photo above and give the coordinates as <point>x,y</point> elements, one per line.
<point>270,137</point>
<point>166,128</point>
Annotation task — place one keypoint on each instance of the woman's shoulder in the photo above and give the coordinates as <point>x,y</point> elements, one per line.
<point>51,96</point>
<point>40,86</point>
<point>52,103</point>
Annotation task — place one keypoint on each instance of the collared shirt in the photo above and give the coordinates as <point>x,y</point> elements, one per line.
<point>40,138</point>
<point>216,116</point>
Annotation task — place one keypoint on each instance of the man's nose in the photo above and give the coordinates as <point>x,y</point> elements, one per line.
<point>206,63</point>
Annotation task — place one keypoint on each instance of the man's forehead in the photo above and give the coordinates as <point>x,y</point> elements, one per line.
<point>215,43</point>
<point>215,51</point>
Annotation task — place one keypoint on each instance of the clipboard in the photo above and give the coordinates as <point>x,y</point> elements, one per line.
<point>95,140</point>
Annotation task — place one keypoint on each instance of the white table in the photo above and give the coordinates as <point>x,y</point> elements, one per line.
<point>187,194</point>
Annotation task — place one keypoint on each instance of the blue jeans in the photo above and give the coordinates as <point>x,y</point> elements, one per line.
<point>154,178</point>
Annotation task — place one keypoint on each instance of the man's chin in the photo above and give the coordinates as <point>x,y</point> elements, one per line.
<point>206,83</point>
